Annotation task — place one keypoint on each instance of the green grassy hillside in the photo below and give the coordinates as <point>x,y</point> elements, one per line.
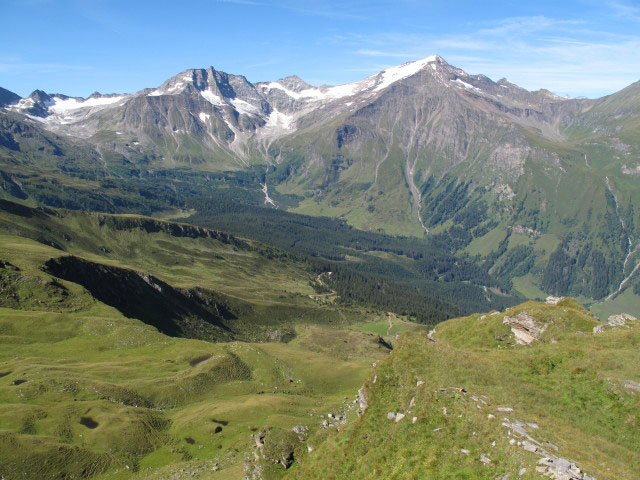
<point>154,270</point>
<point>87,389</point>
<point>476,404</point>
<point>90,386</point>
<point>210,269</point>
<point>91,392</point>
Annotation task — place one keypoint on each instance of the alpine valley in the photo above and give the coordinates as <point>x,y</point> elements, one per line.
<point>422,274</point>
<point>541,190</point>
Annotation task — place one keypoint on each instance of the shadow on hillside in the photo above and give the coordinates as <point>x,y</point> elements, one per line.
<point>174,312</point>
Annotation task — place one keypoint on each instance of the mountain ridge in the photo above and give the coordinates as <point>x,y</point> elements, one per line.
<point>209,82</point>
<point>420,149</point>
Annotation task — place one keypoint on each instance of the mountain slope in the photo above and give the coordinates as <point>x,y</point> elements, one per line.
<point>97,379</point>
<point>539,187</point>
<point>202,283</point>
<point>86,391</point>
<point>478,402</point>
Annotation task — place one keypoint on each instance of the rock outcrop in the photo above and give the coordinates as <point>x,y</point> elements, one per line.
<point>525,328</point>
<point>551,300</point>
<point>549,465</point>
<point>620,320</point>
<point>631,385</point>
<point>614,321</point>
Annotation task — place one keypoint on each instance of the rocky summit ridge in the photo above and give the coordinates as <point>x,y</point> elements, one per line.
<point>268,108</point>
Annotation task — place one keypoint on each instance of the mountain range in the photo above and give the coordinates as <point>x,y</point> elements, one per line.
<point>221,279</point>
<point>539,189</point>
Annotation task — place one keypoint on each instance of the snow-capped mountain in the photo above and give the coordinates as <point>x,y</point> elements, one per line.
<point>423,148</point>
<point>230,110</point>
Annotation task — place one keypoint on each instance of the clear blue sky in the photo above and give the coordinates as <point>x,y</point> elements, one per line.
<point>576,47</point>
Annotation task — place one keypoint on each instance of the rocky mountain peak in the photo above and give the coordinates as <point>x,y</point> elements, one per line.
<point>35,104</point>
<point>228,103</point>
<point>294,83</point>
<point>438,60</point>
<point>40,96</point>
<point>7,97</point>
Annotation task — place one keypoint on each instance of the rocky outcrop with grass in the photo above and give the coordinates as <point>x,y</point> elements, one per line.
<point>526,393</point>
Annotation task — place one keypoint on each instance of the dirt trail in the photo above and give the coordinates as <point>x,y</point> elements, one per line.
<point>389,315</point>
<point>319,280</point>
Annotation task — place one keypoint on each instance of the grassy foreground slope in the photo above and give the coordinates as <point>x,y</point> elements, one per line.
<point>86,391</point>
<point>90,386</point>
<point>83,394</point>
<point>475,404</point>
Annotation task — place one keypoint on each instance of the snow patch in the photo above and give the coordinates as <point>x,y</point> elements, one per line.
<point>290,93</point>
<point>244,107</point>
<point>60,105</point>
<point>175,87</point>
<point>315,93</point>
<point>341,91</point>
<point>204,116</point>
<point>23,103</point>
<point>466,85</point>
<point>212,98</point>
<point>279,120</point>
<point>400,72</point>
<point>179,85</point>
<point>372,84</point>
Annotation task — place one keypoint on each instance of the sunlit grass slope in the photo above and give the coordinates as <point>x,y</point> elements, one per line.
<point>474,391</point>
<point>86,391</point>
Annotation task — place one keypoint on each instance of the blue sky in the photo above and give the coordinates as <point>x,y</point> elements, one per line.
<point>580,47</point>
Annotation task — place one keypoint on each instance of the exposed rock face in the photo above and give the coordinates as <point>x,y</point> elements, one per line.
<point>149,225</point>
<point>302,431</point>
<point>434,107</point>
<point>430,335</point>
<point>561,469</point>
<point>7,97</point>
<point>551,300</point>
<point>620,320</point>
<point>614,321</point>
<point>275,447</point>
<point>525,328</point>
<point>549,465</point>
<point>362,400</point>
<point>601,328</point>
<point>631,385</point>
<point>630,170</point>
<point>284,335</point>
